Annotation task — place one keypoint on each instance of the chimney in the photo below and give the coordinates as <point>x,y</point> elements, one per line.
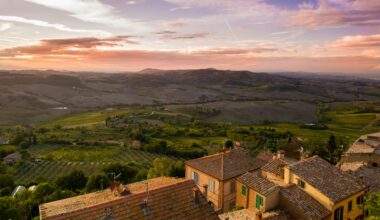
<point>196,196</point>
<point>238,144</point>
<point>280,154</point>
<point>260,173</point>
<point>205,191</point>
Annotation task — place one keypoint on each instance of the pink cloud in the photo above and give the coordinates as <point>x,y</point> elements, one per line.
<point>337,13</point>
<point>58,53</point>
<point>358,41</point>
<point>69,46</point>
<point>173,35</point>
<point>236,51</point>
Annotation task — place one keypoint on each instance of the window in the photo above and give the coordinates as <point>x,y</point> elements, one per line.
<point>211,185</point>
<point>338,213</point>
<point>301,184</point>
<point>195,177</point>
<point>259,201</point>
<point>232,187</point>
<point>349,205</point>
<point>243,190</point>
<point>359,200</point>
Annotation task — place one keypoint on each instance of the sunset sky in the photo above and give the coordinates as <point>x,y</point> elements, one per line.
<point>336,36</point>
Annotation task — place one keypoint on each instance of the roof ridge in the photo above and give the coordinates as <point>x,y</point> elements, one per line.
<point>208,156</point>
<point>305,160</point>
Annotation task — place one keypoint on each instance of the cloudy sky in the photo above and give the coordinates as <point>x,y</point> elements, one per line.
<point>128,35</point>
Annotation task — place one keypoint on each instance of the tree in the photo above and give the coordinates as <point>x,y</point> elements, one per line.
<point>157,147</point>
<point>372,205</point>
<point>332,147</point>
<point>127,172</point>
<point>59,194</point>
<point>75,181</point>
<point>43,190</point>
<point>141,175</point>
<point>166,167</point>
<point>97,181</point>
<point>229,144</point>
<point>24,144</point>
<point>7,180</point>
<point>9,209</point>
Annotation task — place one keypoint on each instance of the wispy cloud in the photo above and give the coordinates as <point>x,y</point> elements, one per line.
<point>236,51</point>
<point>131,2</point>
<point>5,26</point>
<point>85,53</point>
<point>70,46</point>
<point>93,11</point>
<point>358,41</point>
<point>45,24</point>
<point>337,13</point>
<point>172,35</point>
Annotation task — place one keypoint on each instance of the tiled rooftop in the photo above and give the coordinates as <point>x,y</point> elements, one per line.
<point>276,166</point>
<point>257,183</point>
<point>306,204</point>
<point>328,179</point>
<point>246,214</point>
<point>370,175</point>
<point>366,144</point>
<point>266,156</point>
<point>167,198</point>
<point>235,163</point>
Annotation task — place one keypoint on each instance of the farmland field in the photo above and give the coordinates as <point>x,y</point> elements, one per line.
<point>86,136</point>
<point>64,160</point>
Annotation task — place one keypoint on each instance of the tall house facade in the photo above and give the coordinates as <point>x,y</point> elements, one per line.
<point>216,175</point>
<point>337,191</point>
<point>307,189</point>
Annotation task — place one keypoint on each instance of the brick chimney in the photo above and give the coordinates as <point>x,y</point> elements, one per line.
<point>280,154</point>
<point>238,144</point>
<point>196,196</point>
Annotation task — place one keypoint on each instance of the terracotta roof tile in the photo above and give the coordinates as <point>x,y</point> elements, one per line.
<point>167,198</point>
<point>365,144</point>
<point>235,162</point>
<point>328,179</point>
<point>304,202</point>
<point>257,183</point>
<point>276,166</point>
<point>266,156</point>
<point>368,174</point>
<point>248,214</point>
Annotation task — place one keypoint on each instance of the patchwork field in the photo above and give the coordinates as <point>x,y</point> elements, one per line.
<point>58,160</point>
<point>86,135</point>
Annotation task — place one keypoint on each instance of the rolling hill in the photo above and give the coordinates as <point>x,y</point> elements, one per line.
<point>37,96</point>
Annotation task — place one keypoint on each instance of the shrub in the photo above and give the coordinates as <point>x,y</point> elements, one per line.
<point>75,181</point>
<point>127,172</point>
<point>97,181</point>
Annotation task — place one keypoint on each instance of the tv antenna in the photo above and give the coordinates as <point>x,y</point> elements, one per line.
<point>114,176</point>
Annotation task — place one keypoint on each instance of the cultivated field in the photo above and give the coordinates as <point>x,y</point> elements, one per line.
<point>63,160</point>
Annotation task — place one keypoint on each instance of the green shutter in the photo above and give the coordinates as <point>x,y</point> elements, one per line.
<point>259,201</point>
<point>243,190</point>
<point>302,184</point>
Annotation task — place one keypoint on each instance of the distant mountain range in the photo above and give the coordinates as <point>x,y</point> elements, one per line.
<point>33,96</point>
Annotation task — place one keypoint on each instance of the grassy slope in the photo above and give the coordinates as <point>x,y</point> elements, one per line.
<point>341,120</point>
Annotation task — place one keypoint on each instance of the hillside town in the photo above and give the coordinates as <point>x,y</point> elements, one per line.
<point>234,184</point>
